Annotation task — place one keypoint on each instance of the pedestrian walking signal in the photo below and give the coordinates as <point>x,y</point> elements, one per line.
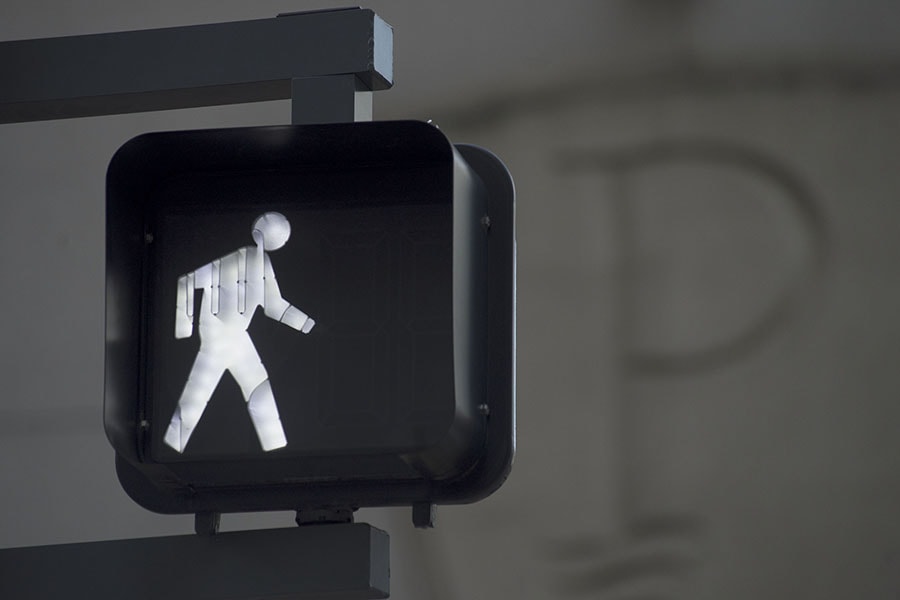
<point>308,316</point>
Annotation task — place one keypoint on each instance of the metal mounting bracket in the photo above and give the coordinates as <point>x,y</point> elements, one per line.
<point>312,58</point>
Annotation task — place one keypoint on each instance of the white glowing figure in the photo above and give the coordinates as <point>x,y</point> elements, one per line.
<point>235,286</point>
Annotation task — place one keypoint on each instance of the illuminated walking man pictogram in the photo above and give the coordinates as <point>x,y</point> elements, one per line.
<point>232,288</point>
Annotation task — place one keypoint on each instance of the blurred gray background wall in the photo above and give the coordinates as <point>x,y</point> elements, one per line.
<point>708,290</point>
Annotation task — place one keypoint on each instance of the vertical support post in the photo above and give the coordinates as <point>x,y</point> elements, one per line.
<point>330,99</point>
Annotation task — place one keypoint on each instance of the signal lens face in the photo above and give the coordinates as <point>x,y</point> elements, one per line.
<point>234,374</point>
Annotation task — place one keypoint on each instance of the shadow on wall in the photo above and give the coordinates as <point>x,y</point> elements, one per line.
<point>663,194</point>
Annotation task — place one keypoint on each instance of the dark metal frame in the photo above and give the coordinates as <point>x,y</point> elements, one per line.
<point>343,562</point>
<point>328,62</point>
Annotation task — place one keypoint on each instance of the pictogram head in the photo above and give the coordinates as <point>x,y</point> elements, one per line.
<point>272,229</point>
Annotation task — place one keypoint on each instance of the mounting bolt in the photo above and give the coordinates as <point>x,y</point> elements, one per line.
<point>424,515</point>
<point>207,523</point>
<point>486,221</point>
<point>484,409</point>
